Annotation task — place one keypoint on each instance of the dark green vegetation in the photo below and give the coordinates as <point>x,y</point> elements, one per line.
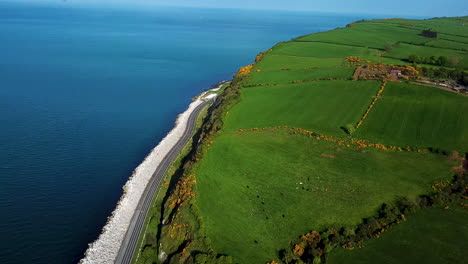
<point>259,179</point>
<point>430,236</point>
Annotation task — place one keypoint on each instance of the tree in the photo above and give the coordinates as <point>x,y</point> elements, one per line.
<point>432,60</point>
<point>349,129</point>
<point>441,73</point>
<point>414,58</point>
<point>443,61</point>
<point>429,33</point>
<point>388,48</point>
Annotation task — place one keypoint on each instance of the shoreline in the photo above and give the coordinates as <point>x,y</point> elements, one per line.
<point>106,247</point>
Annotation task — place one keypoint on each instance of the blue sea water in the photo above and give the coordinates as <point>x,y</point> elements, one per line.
<point>86,93</point>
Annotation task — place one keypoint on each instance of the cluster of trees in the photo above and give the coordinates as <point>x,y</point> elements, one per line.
<point>433,60</point>
<point>313,247</point>
<point>457,75</point>
<point>429,33</point>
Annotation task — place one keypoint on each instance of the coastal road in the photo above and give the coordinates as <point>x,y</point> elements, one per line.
<point>129,244</point>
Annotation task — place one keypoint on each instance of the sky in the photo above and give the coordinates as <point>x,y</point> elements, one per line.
<point>426,8</point>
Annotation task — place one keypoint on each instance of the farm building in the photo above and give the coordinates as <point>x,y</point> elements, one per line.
<point>395,72</point>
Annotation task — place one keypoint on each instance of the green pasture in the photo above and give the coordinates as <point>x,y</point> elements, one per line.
<point>421,116</point>
<point>431,236</point>
<point>386,60</point>
<point>368,34</point>
<point>321,50</point>
<point>281,76</point>
<point>448,44</point>
<point>403,51</point>
<point>257,191</point>
<point>277,62</point>
<point>458,39</point>
<point>322,106</point>
<point>453,25</point>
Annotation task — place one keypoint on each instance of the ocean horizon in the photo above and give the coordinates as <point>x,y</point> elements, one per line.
<point>86,93</point>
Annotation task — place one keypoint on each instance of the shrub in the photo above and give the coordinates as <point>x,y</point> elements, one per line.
<point>429,33</point>
<point>388,48</point>
<point>349,129</point>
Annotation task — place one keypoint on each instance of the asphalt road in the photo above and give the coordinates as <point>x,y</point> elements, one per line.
<point>129,244</point>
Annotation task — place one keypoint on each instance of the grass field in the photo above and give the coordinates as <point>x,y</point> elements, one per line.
<point>289,76</point>
<point>322,106</point>
<point>447,44</point>
<point>431,236</point>
<point>454,38</point>
<point>452,26</point>
<point>418,116</point>
<point>321,50</point>
<point>278,62</point>
<point>372,35</point>
<point>259,190</point>
<point>403,51</point>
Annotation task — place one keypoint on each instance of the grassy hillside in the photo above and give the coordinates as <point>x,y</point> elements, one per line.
<point>369,34</point>
<point>321,50</point>
<point>337,132</point>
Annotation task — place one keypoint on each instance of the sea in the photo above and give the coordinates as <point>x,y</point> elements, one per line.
<point>85,94</point>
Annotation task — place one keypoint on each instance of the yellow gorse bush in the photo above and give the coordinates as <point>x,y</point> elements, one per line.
<point>245,70</point>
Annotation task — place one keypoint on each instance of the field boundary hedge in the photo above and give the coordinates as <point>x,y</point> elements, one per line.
<point>376,98</point>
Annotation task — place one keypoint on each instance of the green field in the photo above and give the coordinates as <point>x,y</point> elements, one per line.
<point>282,76</point>
<point>271,62</point>
<point>322,106</point>
<point>372,35</point>
<point>453,26</point>
<point>257,190</point>
<point>403,51</point>
<point>418,116</point>
<point>448,44</point>
<point>249,187</point>
<point>431,236</point>
<point>455,38</point>
<point>321,50</point>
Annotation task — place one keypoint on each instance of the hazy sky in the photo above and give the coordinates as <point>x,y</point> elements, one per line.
<point>387,7</point>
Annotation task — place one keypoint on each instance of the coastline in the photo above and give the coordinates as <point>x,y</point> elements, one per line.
<point>106,247</point>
